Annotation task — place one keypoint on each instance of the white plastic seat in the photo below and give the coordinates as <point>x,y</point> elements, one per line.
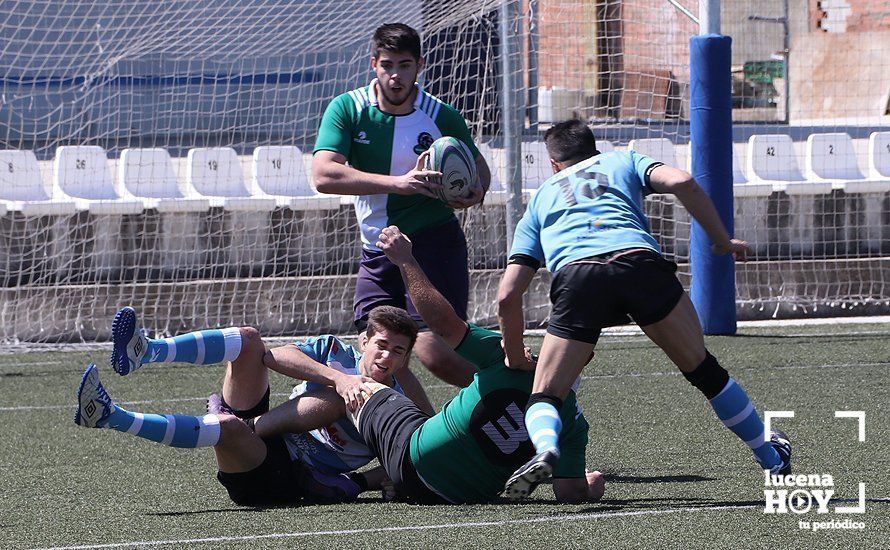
<point>215,173</point>
<point>535,164</point>
<point>82,173</point>
<point>661,149</point>
<point>22,189</point>
<point>604,146</point>
<point>771,159</point>
<point>741,185</point>
<point>831,158</point>
<point>148,174</point>
<point>879,155</point>
<point>278,171</point>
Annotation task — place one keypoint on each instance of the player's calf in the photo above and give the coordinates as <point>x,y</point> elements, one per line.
<point>96,409</point>
<point>734,409</point>
<point>204,347</point>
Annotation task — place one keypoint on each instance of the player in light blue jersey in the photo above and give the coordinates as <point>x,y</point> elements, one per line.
<point>587,224</point>
<point>319,446</point>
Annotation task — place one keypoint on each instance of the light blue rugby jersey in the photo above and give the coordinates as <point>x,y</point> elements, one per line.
<point>591,208</point>
<point>338,447</point>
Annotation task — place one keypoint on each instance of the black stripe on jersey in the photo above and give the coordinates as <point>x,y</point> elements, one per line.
<point>526,260</point>
<point>649,172</point>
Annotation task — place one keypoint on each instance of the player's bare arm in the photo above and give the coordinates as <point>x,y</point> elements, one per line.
<point>666,179</point>
<point>333,175</point>
<point>291,362</point>
<point>582,489</point>
<point>514,283</point>
<point>432,306</point>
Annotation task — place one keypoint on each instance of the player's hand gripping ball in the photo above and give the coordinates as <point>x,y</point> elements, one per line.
<point>453,159</point>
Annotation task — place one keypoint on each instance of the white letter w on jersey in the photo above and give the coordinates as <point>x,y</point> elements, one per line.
<point>508,432</point>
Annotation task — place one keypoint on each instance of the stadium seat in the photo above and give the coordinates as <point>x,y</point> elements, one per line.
<point>879,155</point>
<point>751,207</point>
<point>81,172</point>
<point>661,149</point>
<point>22,189</point>
<point>279,172</point>
<point>215,173</point>
<point>771,159</point>
<point>148,174</point>
<point>535,164</point>
<point>831,158</point>
<point>604,146</point>
<point>243,232</point>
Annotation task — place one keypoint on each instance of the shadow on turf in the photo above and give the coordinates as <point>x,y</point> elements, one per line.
<point>254,509</point>
<point>617,478</point>
<point>214,511</point>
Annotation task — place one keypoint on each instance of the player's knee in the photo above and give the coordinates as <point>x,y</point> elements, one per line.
<point>709,377</point>
<point>375,387</point>
<point>232,430</point>
<point>251,341</point>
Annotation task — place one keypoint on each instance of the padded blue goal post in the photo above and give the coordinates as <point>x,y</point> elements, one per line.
<point>713,277</point>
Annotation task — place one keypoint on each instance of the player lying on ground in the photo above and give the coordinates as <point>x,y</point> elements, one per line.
<point>321,444</point>
<point>467,451</point>
<point>587,224</point>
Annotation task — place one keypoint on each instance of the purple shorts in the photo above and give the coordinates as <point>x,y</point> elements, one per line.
<point>442,254</point>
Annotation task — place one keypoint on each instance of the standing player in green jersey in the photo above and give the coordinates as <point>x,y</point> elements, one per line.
<point>469,449</point>
<point>369,143</point>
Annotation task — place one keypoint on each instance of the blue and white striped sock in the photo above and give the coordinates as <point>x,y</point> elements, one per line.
<point>735,410</point>
<point>543,424</point>
<point>173,430</point>
<point>203,347</point>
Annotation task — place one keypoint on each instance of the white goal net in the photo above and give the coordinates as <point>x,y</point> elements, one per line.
<point>158,154</point>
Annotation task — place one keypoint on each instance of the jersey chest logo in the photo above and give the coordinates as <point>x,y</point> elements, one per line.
<point>424,142</point>
<point>362,138</point>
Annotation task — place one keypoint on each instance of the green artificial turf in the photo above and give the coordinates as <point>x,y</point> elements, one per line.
<point>676,477</point>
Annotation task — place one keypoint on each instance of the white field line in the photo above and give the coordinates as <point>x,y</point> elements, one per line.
<point>441,386</point>
<point>625,330</point>
<point>464,525</point>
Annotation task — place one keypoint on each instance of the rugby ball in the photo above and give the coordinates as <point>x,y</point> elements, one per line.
<point>453,158</point>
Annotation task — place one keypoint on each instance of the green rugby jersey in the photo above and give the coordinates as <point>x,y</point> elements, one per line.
<point>373,141</point>
<point>471,447</point>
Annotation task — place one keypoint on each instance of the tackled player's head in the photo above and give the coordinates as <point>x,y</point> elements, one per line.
<point>386,343</point>
<point>396,59</point>
<point>569,143</point>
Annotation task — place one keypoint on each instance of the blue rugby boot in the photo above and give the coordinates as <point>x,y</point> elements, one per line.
<point>130,345</point>
<point>780,442</point>
<point>94,406</point>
